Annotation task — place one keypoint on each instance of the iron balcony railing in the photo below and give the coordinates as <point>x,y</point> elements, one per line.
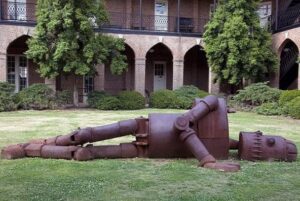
<point>20,12</point>
<point>156,23</point>
<point>13,11</point>
<point>290,18</point>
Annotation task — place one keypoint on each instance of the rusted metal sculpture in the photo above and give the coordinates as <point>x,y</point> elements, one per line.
<point>202,132</point>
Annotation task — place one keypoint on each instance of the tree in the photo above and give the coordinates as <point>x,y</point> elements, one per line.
<point>237,47</point>
<point>65,41</point>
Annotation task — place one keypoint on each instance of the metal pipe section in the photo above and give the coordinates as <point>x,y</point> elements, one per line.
<point>95,134</point>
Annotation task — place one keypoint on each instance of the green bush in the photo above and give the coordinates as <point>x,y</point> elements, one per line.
<point>131,100</point>
<point>287,96</point>
<point>269,109</point>
<point>7,102</point>
<point>293,108</point>
<point>64,97</point>
<point>255,95</point>
<point>38,97</point>
<point>108,103</point>
<point>164,99</point>
<point>94,97</point>
<point>7,97</point>
<point>187,94</point>
<point>5,87</point>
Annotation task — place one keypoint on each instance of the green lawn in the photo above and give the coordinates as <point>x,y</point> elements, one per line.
<point>138,179</point>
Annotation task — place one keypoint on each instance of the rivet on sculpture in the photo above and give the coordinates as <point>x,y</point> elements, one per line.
<point>202,132</point>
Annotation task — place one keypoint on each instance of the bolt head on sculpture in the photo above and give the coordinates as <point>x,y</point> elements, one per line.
<point>201,132</point>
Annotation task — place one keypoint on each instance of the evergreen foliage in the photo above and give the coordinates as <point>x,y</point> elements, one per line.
<point>65,40</point>
<point>131,100</point>
<point>237,47</point>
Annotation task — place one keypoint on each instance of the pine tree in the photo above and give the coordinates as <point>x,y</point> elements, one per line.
<point>237,47</point>
<point>65,40</point>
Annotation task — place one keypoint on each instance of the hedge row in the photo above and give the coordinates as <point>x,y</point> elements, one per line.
<point>37,96</point>
<point>126,100</point>
<point>265,100</point>
<point>180,98</point>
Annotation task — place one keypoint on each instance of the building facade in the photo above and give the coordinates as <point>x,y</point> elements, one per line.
<point>163,40</point>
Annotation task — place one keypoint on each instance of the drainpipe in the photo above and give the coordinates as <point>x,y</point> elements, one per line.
<point>141,15</point>
<point>178,15</point>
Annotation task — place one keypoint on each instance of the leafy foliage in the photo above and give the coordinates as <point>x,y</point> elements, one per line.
<point>255,95</point>
<point>7,97</point>
<point>65,40</point>
<point>293,108</point>
<point>287,96</point>
<point>94,97</point>
<point>187,94</point>
<point>269,109</point>
<point>38,97</point>
<point>108,103</point>
<point>64,97</point>
<point>131,100</point>
<point>237,47</point>
<point>164,99</point>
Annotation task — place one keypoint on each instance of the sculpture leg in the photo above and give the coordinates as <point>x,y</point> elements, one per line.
<point>94,134</point>
<point>125,150</point>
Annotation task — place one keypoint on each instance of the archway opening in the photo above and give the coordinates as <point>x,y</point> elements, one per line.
<point>196,70</point>
<point>289,68</point>
<point>159,68</point>
<point>116,83</point>
<point>21,71</point>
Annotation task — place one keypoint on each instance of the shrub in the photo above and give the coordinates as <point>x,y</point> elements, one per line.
<point>131,100</point>
<point>7,97</point>
<point>269,109</point>
<point>7,102</point>
<point>108,103</point>
<point>256,94</point>
<point>94,97</point>
<point>164,99</point>
<point>293,108</point>
<point>37,96</point>
<point>64,97</point>
<point>287,96</point>
<point>187,94</point>
<point>5,87</point>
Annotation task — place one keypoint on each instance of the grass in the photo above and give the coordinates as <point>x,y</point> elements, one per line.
<point>138,179</point>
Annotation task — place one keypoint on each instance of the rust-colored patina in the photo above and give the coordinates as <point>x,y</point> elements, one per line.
<point>202,132</point>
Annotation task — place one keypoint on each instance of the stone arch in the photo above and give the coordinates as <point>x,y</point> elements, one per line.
<point>116,83</point>
<point>21,71</point>
<point>159,68</point>
<point>288,72</point>
<point>196,70</point>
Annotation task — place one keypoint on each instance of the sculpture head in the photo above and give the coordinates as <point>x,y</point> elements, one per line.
<point>255,146</point>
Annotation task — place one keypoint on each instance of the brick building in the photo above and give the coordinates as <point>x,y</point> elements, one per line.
<point>164,45</point>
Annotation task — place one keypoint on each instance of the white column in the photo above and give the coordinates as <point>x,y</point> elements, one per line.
<point>213,88</point>
<point>51,82</point>
<point>99,80</point>
<point>140,75</point>
<point>178,73</point>
<point>3,68</point>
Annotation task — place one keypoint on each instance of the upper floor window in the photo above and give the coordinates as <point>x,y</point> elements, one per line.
<point>265,13</point>
<point>16,10</point>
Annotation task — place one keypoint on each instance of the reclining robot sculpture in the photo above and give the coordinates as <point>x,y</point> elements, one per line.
<point>201,132</point>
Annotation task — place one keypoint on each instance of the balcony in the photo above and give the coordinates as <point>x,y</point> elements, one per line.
<point>24,13</point>
<point>154,23</point>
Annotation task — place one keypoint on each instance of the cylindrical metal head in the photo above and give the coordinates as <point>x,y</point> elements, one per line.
<point>255,146</point>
